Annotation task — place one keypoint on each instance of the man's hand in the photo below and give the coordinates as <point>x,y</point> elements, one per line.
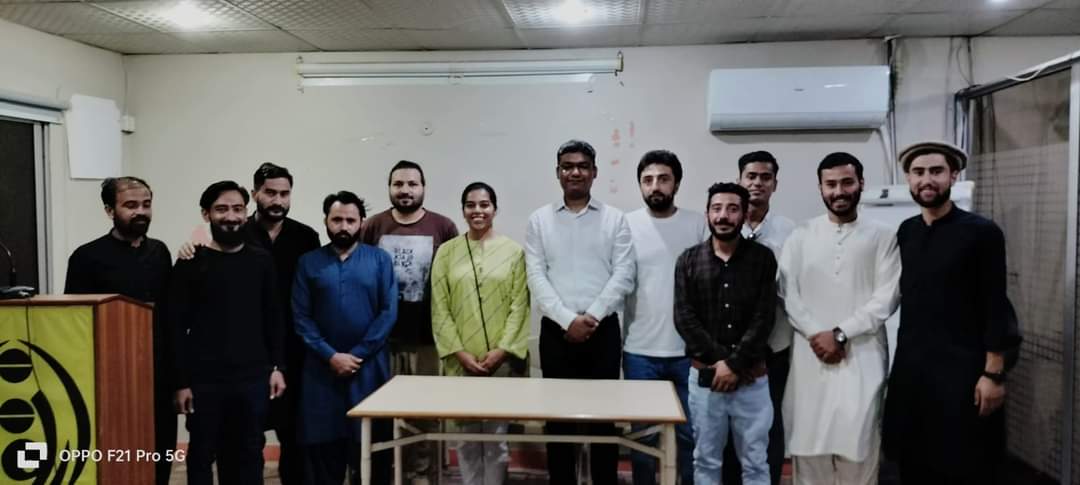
<point>493,360</point>
<point>187,250</point>
<point>581,328</point>
<point>277,384</point>
<point>345,365</point>
<point>825,347</point>
<point>468,361</point>
<point>989,396</point>
<point>185,401</point>
<point>725,380</point>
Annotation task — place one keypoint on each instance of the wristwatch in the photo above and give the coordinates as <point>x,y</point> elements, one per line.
<point>839,336</point>
<point>997,377</point>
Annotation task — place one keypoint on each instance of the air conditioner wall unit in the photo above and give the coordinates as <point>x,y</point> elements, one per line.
<point>798,98</point>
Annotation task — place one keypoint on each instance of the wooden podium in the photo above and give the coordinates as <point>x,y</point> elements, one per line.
<point>77,373</point>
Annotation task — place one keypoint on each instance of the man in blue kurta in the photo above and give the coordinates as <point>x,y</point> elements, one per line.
<point>345,304</point>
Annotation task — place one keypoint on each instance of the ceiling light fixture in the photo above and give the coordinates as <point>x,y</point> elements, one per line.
<point>572,12</point>
<point>187,15</point>
<point>456,72</point>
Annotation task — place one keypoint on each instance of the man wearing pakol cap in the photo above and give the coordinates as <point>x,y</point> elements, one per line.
<point>943,422</point>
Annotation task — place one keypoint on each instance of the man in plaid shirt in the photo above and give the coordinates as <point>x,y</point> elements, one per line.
<point>725,307</point>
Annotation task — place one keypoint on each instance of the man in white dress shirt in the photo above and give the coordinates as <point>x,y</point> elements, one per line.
<point>841,277</point>
<point>580,263</point>
<point>758,172</point>
<point>652,348</point>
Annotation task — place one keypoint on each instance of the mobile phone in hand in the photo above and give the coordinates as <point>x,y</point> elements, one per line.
<point>705,376</point>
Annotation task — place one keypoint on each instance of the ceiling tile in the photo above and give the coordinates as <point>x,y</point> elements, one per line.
<point>440,14</point>
<point>925,6</point>
<point>155,15</point>
<point>1063,4</point>
<point>820,28</point>
<point>68,18</point>
<point>313,14</point>
<point>151,43</point>
<point>615,36</point>
<point>528,14</point>
<point>731,30</point>
<point>465,39</point>
<point>946,24</point>
<point>246,41</point>
<point>358,39</point>
<point>1043,22</point>
<point>798,8</point>
<point>706,11</point>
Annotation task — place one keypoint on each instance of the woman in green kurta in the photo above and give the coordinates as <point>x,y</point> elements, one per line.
<point>480,319</point>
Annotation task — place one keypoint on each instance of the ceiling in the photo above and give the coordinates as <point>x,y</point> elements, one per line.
<point>143,26</point>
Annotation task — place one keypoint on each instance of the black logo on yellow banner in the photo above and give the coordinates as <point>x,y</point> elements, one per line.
<point>28,404</point>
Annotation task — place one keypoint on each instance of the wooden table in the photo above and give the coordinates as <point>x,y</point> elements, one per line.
<point>517,399</point>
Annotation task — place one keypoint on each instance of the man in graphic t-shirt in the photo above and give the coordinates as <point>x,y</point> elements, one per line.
<point>411,234</point>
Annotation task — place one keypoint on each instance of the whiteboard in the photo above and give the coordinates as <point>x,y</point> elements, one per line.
<point>93,133</point>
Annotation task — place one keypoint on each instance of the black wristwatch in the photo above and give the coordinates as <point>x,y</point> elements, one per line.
<point>839,336</point>
<point>997,377</point>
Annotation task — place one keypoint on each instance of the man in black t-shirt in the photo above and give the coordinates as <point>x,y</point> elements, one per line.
<point>227,324</point>
<point>127,262</point>
<point>286,239</point>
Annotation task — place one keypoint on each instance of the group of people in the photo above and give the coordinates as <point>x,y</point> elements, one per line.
<point>772,333</point>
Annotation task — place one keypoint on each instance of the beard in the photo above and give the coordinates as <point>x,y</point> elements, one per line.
<point>135,228</point>
<point>227,235</point>
<point>265,212</point>
<point>408,205</point>
<point>853,204</point>
<point>939,200</point>
<point>725,236</point>
<point>343,239</point>
<point>659,201</point>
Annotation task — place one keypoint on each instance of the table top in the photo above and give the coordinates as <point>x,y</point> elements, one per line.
<point>510,398</point>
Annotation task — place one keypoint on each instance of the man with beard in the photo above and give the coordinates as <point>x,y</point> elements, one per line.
<point>841,276</point>
<point>758,173</point>
<point>579,258</point>
<point>345,301</point>
<point>286,239</point>
<point>127,262</point>
<point>725,308</point>
<point>227,323</point>
<point>652,349</point>
<point>411,235</point>
<point>943,423</point>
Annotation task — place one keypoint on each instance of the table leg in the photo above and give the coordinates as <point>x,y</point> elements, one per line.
<point>668,462</point>
<point>365,451</point>
<point>397,452</point>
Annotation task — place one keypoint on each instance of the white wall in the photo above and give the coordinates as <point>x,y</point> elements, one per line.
<point>204,118</point>
<point>1005,56</point>
<point>51,67</point>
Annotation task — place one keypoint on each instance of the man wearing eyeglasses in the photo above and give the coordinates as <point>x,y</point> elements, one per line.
<point>758,172</point>
<point>580,263</point>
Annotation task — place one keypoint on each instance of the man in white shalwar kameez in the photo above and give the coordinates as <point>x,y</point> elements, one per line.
<point>841,278</point>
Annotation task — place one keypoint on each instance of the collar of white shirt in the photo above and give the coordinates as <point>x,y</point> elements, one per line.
<point>593,204</point>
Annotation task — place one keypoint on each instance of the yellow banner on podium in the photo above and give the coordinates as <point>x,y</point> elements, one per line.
<point>47,427</point>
